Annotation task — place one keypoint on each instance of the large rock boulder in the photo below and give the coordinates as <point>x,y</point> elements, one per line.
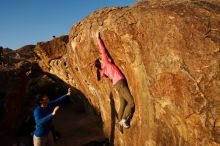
<point>169,54</point>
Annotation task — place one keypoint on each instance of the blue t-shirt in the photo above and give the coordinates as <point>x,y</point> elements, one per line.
<point>43,117</point>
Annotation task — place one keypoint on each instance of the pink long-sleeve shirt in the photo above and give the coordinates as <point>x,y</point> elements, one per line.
<point>108,68</point>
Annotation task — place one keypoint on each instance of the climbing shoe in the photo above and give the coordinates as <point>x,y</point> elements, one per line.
<point>124,124</point>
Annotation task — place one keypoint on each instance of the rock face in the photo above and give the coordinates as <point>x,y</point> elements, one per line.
<point>13,80</point>
<point>169,54</point>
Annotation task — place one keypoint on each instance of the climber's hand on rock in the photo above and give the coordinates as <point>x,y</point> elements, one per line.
<point>98,35</point>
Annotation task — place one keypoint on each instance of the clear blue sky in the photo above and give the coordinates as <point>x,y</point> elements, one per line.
<point>25,22</point>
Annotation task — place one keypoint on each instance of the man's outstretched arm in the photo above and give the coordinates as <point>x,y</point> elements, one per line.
<point>40,120</point>
<point>60,99</point>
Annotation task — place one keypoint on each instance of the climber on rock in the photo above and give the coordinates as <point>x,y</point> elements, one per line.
<point>43,115</point>
<point>107,68</point>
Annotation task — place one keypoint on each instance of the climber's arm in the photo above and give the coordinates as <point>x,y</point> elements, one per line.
<point>105,57</point>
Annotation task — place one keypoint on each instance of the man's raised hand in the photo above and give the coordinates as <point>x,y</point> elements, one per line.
<point>55,110</point>
<point>69,91</point>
